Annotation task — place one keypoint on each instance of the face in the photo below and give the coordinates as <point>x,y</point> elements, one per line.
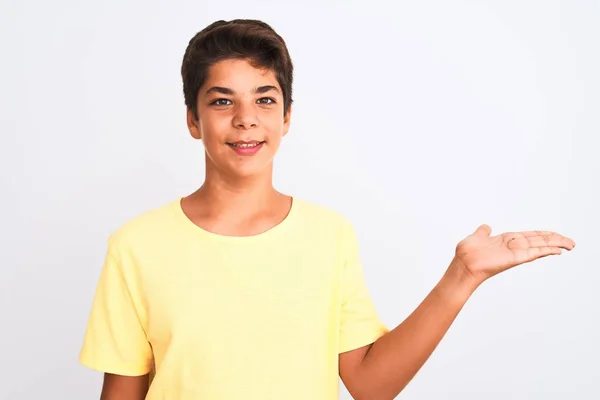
<point>240,118</point>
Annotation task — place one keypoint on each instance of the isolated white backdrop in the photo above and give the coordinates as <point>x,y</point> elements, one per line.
<point>418,120</point>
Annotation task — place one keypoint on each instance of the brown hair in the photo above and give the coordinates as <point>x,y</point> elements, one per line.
<point>247,39</point>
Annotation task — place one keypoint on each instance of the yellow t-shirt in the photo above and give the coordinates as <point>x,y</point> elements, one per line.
<point>221,317</point>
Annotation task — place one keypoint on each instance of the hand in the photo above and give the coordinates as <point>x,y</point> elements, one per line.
<point>483,256</point>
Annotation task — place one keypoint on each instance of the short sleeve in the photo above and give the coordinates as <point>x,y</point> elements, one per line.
<point>115,341</point>
<point>360,324</point>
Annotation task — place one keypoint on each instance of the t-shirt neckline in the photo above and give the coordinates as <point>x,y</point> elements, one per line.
<point>274,230</point>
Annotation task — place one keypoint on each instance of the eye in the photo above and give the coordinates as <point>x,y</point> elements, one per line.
<point>221,102</point>
<point>266,100</point>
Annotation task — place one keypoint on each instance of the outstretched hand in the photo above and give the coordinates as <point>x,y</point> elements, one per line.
<point>484,256</point>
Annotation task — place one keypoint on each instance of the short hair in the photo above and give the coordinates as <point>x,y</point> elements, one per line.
<point>244,39</point>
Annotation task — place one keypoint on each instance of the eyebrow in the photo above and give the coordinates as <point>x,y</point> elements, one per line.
<point>227,91</point>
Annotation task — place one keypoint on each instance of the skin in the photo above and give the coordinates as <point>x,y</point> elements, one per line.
<point>383,369</point>
<point>117,387</point>
<point>238,199</point>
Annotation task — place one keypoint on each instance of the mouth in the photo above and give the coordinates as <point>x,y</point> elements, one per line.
<point>246,148</point>
<point>245,145</point>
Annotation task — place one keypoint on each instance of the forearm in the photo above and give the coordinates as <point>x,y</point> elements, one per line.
<point>394,359</point>
<point>117,387</point>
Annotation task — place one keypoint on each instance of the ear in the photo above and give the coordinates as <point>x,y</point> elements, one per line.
<point>286,120</point>
<point>193,125</point>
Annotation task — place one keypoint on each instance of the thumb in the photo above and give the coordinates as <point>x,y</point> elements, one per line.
<point>483,230</point>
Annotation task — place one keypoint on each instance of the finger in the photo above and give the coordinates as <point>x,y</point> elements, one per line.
<point>550,241</point>
<point>538,252</point>
<point>483,230</point>
<point>537,233</point>
<point>548,234</point>
<point>534,253</point>
<point>545,233</point>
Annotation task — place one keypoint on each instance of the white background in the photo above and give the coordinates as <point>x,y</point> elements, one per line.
<point>417,120</point>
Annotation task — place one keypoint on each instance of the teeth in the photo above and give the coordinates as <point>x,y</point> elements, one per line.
<point>244,145</point>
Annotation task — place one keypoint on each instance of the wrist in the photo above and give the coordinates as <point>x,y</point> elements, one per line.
<point>458,283</point>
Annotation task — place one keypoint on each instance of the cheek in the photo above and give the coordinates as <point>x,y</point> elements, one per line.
<point>273,125</point>
<point>211,129</point>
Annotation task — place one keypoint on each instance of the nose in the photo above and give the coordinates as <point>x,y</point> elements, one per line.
<point>245,118</point>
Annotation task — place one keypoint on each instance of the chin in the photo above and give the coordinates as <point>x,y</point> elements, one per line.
<point>249,170</point>
<point>238,167</point>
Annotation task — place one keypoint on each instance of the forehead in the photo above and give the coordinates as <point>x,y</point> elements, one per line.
<point>239,75</point>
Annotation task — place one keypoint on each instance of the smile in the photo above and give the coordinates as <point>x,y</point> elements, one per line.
<point>246,148</point>
<point>244,145</point>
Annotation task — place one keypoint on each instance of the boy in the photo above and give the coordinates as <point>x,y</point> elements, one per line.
<point>238,291</point>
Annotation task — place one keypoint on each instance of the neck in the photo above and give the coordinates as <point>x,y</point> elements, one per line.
<point>237,195</point>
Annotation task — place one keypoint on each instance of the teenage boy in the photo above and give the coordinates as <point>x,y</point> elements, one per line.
<point>238,291</point>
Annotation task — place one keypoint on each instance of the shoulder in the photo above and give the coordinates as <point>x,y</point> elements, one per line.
<point>329,227</point>
<point>323,217</point>
<point>148,227</point>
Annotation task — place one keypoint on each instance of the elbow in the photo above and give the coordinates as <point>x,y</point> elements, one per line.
<point>376,392</point>
<point>372,394</point>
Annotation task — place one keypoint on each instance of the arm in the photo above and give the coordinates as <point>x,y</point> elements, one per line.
<point>118,387</point>
<point>384,368</point>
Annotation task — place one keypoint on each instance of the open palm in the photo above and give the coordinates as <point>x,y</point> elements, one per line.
<point>484,255</point>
